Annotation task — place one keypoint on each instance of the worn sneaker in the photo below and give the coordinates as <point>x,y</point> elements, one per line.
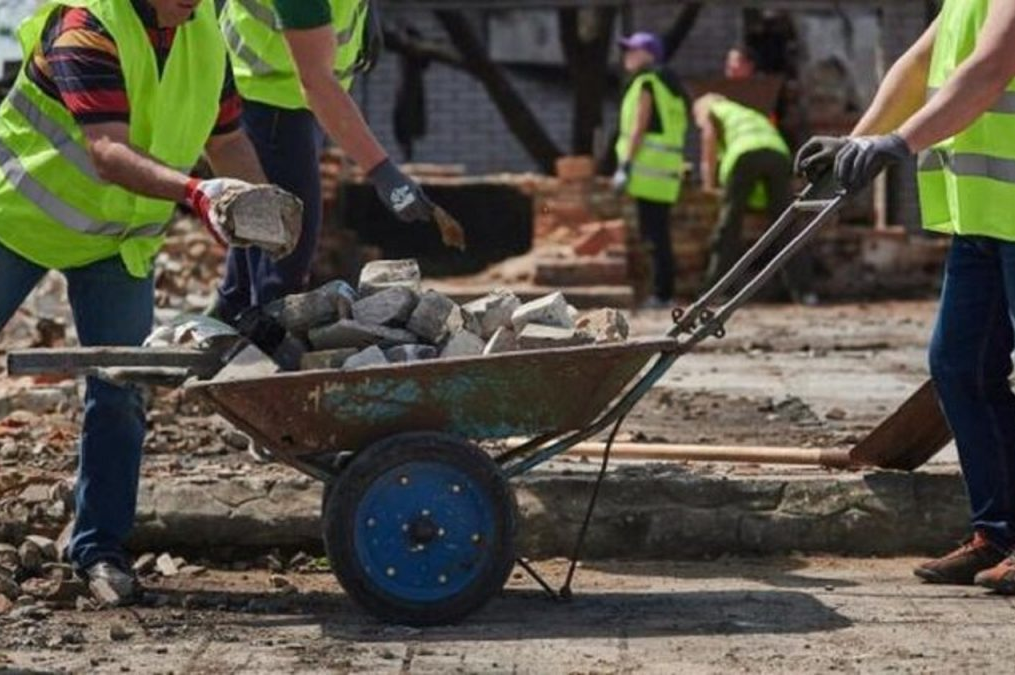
<point>961,566</point>
<point>1000,578</point>
<point>110,585</point>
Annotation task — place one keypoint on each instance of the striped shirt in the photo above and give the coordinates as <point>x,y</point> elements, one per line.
<point>77,62</point>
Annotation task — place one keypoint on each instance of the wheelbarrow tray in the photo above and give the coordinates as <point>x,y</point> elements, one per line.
<point>514,394</point>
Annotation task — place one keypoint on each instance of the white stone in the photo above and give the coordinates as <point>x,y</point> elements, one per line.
<point>485,315</point>
<point>536,336</point>
<point>550,310</point>
<point>603,326</point>
<point>381,274</point>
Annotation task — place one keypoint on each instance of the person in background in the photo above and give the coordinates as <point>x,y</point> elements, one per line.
<point>743,154</point>
<point>650,151</point>
<point>741,63</point>
<point>294,61</point>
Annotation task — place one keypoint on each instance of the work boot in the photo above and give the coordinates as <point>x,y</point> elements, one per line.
<point>1000,578</point>
<point>110,585</point>
<point>961,566</point>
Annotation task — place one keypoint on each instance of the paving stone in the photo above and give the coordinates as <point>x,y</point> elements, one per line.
<point>250,363</point>
<point>348,333</point>
<point>325,304</point>
<point>389,307</point>
<point>463,343</point>
<point>435,317</point>
<point>370,357</point>
<point>550,310</point>
<point>329,359</point>
<point>504,340</point>
<point>485,315</point>
<point>603,325</point>
<point>536,336</point>
<point>409,353</point>
<point>381,274</point>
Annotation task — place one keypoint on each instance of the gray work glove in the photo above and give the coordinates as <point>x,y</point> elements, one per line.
<point>621,177</point>
<point>863,158</point>
<point>818,155</point>
<point>402,195</point>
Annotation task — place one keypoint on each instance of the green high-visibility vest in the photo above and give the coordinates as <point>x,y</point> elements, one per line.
<point>657,168</point>
<point>57,212</point>
<point>967,182</point>
<point>262,65</point>
<point>744,130</point>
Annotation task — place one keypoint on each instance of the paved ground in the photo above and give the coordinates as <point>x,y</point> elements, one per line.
<point>730,616</point>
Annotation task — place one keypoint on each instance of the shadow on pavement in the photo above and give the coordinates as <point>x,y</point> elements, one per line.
<point>776,572</point>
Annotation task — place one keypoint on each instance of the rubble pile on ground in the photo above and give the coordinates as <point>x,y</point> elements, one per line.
<point>391,319</point>
<point>33,577</point>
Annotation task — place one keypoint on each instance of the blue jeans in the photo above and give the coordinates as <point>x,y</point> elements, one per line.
<point>288,143</point>
<point>111,308</point>
<point>971,361</point>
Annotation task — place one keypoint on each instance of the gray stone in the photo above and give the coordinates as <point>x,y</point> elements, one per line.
<point>463,343</point>
<point>381,274</point>
<point>389,307</point>
<point>325,304</point>
<point>536,336</point>
<point>408,353</point>
<point>119,633</point>
<point>353,334</point>
<point>368,358</point>
<point>46,546</point>
<point>8,587</point>
<point>31,557</point>
<point>250,363</point>
<point>550,310</point>
<point>265,216</point>
<point>504,340</point>
<point>435,317</point>
<point>603,326</point>
<point>485,315</point>
<point>9,558</point>
<point>166,565</point>
<point>329,359</point>
<point>145,564</point>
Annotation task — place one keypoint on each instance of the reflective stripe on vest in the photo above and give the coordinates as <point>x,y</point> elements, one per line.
<point>262,13</point>
<point>57,135</point>
<point>240,49</point>
<point>969,164</point>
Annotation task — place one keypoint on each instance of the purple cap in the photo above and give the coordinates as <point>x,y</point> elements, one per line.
<point>650,42</point>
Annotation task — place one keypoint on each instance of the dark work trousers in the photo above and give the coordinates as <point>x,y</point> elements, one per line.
<point>288,143</point>
<point>654,223</point>
<point>774,170</point>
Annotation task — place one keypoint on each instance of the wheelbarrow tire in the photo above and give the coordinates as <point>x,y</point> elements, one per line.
<point>419,529</point>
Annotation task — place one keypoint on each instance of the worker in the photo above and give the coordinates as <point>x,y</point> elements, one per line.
<point>741,63</point>
<point>950,99</point>
<point>650,151</point>
<point>294,61</point>
<point>96,135</point>
<point>742,152</point>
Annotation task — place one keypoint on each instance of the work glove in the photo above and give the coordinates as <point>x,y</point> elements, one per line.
<point>402,195</point>
<point>202,195</point>
<point>864,157</point>
<point>818,155</point>
<point>622,177</point>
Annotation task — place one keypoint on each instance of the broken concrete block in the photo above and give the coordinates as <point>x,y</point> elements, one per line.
<point>485,315</point>
<point>265,216</point>
<point>331,359</point>
<point>349,333</point>
<point>166,565</point>
<point>550,310</point>
<point>372,356</point>
<point>250,363</point>
<point>536,336</point>
<point>381,274</point>
<point>463,343</point>
<point>603,326</point>
<point>435,317</point>
<point>504,340</point>
<point>390,307</point>
<point>326,304</point>
<point>408,353</point>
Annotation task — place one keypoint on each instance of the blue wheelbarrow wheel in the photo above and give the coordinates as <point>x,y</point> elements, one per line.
<point>419,529</point>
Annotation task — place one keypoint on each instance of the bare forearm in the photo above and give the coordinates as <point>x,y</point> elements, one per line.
<point>122,165</point>
<point>709,153</point>
<point>233,156</point>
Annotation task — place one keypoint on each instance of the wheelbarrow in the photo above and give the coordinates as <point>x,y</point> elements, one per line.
<point>419,518</point>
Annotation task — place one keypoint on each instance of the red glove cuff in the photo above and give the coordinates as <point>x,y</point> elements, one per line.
<point>191,194</point>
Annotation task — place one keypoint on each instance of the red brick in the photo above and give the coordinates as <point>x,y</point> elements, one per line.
<point>596,238</point>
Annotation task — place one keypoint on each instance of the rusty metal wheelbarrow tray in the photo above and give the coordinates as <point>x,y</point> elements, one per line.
<point>528,393</point>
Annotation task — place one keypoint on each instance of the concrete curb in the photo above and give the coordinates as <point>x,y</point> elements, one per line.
<point>645,512</point>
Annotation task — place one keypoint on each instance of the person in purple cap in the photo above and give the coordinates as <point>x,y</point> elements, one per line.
<point>650,150</point>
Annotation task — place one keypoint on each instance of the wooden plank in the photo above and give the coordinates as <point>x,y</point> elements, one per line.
<point>86,360</point>
<point>668,452</point>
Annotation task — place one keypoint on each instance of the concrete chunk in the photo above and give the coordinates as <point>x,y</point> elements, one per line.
<point>381,274</point>
<point>370,357</point>
<point>349,333</point>
<point>485,315</point>
<point>603,326</point>
<point>389,307</point>
<point>260,215</point>
<point>504,340</point>
<point>167,566</point>
<point>536,336</point>
<point>326,304</point>
<point>435,317</point>
<point>408,353</point>
<point>550,310</point>
<point>46,546</point>
<point>331,359</point>
<point>463,343</point>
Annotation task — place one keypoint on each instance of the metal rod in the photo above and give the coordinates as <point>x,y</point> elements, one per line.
<point>668,452</point>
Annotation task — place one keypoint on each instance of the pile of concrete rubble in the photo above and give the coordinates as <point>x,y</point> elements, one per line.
<point>391,319</point>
